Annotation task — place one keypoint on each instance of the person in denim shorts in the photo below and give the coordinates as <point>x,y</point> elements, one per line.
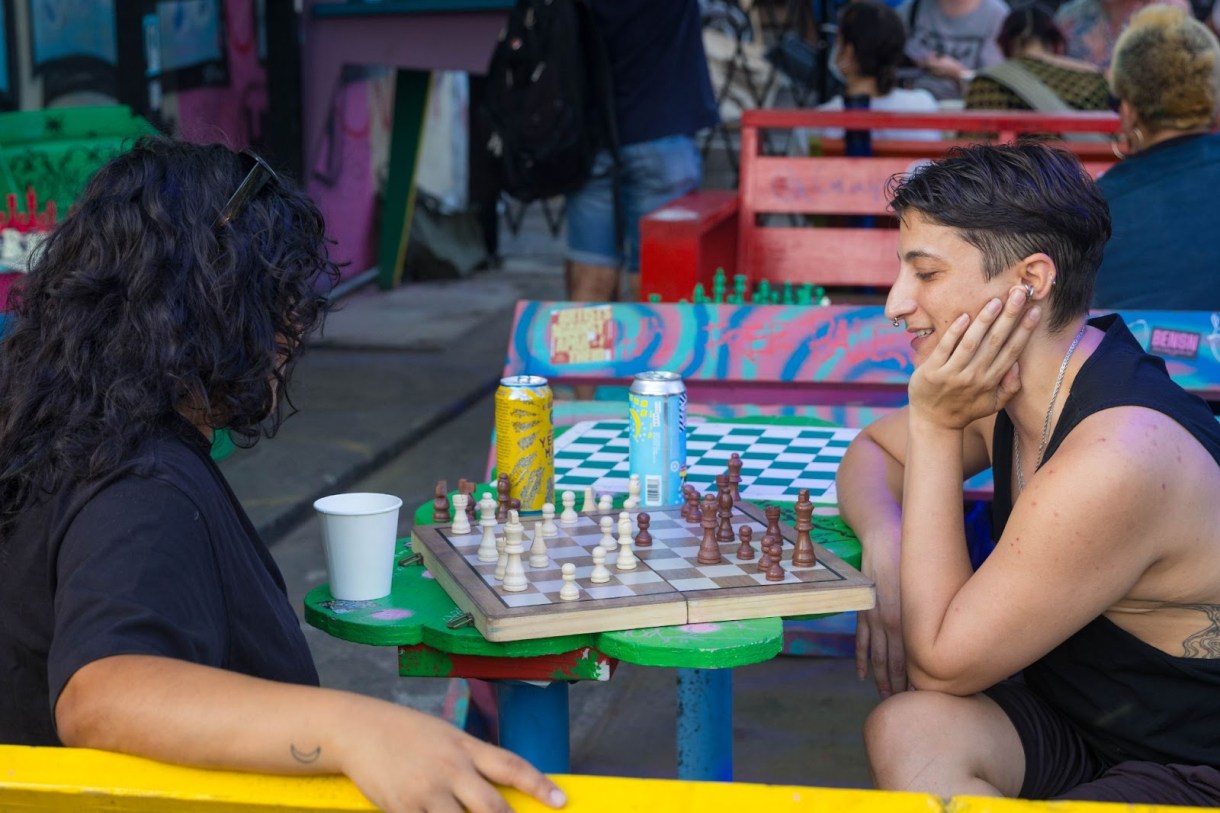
<point>662,97</point>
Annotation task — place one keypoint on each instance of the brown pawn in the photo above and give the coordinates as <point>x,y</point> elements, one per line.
<point>685,512</point>
<point>764,561</point>
<point>803,555</point>
<point>745,552</point>
<point>724,513</point>
<point>777,548</point>
<point>514,505</point>
<point>696,513</point>
<point>775,573</point>
<point>643,539</point>
<point>503,487</point>
<point>440,504</point>
<point>735,477</point>
<point>709,548</point>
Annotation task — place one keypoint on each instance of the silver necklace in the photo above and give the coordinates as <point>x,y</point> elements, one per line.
<point>1050,410</point>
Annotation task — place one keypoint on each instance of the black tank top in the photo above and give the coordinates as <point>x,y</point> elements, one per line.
<point>1129,700</point>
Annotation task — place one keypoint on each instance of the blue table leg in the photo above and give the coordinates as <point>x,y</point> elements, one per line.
<point>534,722</point>
<point>705,724</point>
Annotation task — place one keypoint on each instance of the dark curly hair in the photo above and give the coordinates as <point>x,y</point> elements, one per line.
<point>876,34</point>
<point>139,307</point>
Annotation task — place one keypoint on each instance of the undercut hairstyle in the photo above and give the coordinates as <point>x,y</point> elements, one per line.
<point>1030,24</point>
<point>1167,67</point>
<point>1011,201</point>
<point>142,306</point>
<point>877,36</point>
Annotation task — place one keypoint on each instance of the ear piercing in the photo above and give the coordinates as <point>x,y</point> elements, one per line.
<point>1029,291</point>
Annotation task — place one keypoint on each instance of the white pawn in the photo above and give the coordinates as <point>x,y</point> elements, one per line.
<point>514,580</point>
<point>548,520</point>
<point>600,574</point>
<point>538,556</point>
<point>633,492</point>
<point>589,505</point>
<point>569,515</point>
<point>624,528</point>
<point>461,523</point>
<point>607,541</point>
<point>501,558</point>
<point>606,503</point>
<point>487,519</point>
<point>626,556</point>
<point>570,590</point>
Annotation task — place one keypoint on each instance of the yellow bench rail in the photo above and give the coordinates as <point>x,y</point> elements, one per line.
<point>74,779</point>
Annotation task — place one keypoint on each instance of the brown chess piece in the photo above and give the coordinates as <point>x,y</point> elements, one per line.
<point>709,548</point>
<point>735,477</point>
<point>775,573</point>
<point>724,512</point>
<point>515,505</point>
<point>440,504</point>
<point>764,561</point>
<point>773,531</point>
<point>696,513</point>
<point>689,498</point>
<point>643,539</point>
<point>745,552</point>
<point>503,487</point>
<point>777,548</point>
<point>803,555</point>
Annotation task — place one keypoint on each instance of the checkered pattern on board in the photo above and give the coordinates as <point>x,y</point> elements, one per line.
<point>777,460</point>
<point>668,566</point>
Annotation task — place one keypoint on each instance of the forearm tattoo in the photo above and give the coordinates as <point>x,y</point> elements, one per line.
<point>305,757</point>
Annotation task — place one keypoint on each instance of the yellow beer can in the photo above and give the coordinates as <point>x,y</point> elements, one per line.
<point>525,439</point>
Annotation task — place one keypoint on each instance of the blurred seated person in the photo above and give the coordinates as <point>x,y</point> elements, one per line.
<point>1162,196</point>
<point>951,40</point>
<point>1091,27</point>
<point>867,53</point>
<point>1035,74</point>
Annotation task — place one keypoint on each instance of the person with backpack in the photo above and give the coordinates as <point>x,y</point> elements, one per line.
<point>662,96</point>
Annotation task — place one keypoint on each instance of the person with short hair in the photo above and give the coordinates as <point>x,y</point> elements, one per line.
<point>1162,195</point>
<point>951,40</point>
<point>1035,74</point>
<point>1092,27</point>
<point>1082,659</point>
<point>141,612</point>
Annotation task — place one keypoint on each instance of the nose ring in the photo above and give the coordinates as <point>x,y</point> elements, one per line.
<point>895,321</point>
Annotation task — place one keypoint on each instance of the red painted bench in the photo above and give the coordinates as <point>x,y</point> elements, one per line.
<point>685,242</point>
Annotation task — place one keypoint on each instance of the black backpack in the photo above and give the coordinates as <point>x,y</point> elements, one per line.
<point>549,102</point>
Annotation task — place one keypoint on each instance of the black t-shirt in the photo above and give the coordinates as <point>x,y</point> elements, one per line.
<point>156,559</point>
<point>658,66</point>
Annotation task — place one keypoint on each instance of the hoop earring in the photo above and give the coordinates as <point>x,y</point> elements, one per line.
<point>1118,153</point>
<point>1136,139</point>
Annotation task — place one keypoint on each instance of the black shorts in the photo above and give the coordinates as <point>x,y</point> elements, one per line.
<point>1060,764</point>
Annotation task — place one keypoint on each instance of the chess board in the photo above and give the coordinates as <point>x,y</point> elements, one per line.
<point>777,460</point>
<point>667,587</point>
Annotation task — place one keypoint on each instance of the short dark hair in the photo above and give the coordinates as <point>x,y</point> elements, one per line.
<point>1026,24</point>
<point>877,36</point>
<point>1013,200</point>
<point>139,305</point>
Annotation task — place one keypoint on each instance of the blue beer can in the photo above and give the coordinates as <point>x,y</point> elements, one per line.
<point>657,401</point>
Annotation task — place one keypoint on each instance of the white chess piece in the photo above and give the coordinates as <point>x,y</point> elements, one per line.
<point>589,505</point>
<point>626,556</point>
<point>501,558</point>
<point>569,515</point>
<point>606,503</point>
<point>607,541</point>
<point>624,528</point>
<point>570,590</point>
<point>600,574</point>
<point>487,519</point>
<point>633,492</point>
<point>461,523</point>
<point>548,520</point>
<point>538,555</point>
<point>514,580</point>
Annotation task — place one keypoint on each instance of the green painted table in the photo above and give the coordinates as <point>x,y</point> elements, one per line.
<point>532,676</point>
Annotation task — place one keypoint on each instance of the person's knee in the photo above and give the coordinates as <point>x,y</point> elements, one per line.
<point>889,731</point>
<point>592,283</point>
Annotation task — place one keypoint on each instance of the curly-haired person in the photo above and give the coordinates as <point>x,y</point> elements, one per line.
<point>140,611</point>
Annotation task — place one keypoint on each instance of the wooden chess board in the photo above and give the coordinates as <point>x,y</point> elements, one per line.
<point>667,587</point>
<point>778,460</point>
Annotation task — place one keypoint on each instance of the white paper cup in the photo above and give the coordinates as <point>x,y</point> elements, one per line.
<point>358,535</point>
